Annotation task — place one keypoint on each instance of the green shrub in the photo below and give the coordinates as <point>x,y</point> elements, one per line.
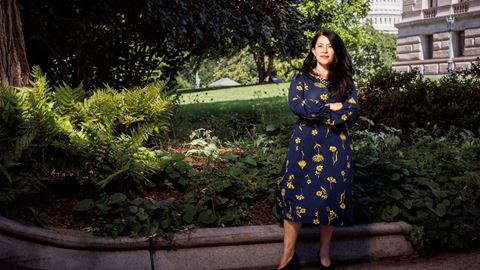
<point>431,183</point>
<point>116,215</point>
<point>409,101</point>
<point>101,139</point>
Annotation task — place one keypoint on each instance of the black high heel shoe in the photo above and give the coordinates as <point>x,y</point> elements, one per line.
<point>293,264</point>
<point>323,267</point>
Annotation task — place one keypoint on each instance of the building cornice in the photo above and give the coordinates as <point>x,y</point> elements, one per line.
<point>440,19</point>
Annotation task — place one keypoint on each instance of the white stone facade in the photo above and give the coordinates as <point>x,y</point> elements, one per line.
<point>423,38</point>
<point>384,14</point>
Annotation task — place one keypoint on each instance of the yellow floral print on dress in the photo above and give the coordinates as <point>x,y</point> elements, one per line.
<point>333,149</point>
<point>290,182</point>
<point>317,158</point>
<point>329,122</point>
<point>331,180</point>
<point>318,171</point>
<point>300,210</point>
<point>343,173</point>
<point>320,85</point>
<point>302,163</point>
<point>314,132</point>
<point>342,201</point>
<point>352,101</point>
<point>300,196</point>
<point>343,138</point>
<point>344,117</point>
<point>331,215</point>
<point>315,220</point>
<point>322,193</point>
<point>309,181</point>
<point>324,97</point>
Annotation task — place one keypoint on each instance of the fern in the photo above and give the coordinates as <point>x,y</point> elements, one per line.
<point>66,97</point>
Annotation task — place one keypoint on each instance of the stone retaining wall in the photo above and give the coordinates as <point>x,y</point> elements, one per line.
<point>244,247</point>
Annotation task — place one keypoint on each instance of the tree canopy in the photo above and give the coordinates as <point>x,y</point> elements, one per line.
<point>126,43</point>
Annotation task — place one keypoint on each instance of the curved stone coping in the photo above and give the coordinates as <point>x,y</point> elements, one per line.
<point>202,237</point>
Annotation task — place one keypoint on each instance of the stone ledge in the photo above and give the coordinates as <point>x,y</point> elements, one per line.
<point>205,248</point>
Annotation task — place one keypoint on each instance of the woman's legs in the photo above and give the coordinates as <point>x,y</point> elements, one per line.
<point>290,234</point>
<point>325,237</point>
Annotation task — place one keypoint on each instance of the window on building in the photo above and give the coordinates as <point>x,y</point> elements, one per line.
<point>458,40</point>
<point>427,46</point>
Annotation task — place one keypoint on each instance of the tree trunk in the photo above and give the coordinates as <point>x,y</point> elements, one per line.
<point>264,73</point>
<point>13,58</point>
<point>260,62</point>
<point>268,74</point>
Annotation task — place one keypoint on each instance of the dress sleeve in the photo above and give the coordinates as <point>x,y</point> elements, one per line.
<point>304,108</point>
<point>347,113</point>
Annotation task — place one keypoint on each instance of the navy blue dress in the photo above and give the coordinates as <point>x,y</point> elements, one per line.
<point>316,177</point>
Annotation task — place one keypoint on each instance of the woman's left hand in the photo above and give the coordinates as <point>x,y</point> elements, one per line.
<point>335,106</point>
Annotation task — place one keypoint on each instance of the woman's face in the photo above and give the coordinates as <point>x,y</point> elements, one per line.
<point>323,51</point>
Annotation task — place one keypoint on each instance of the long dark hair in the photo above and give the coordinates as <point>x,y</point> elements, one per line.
<point>340,71</point>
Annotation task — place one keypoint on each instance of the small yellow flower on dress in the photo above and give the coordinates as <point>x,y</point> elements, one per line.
<point>300,196</point>
<point>332,180</point>
<point>352,101</point>
<point>309,181</point>
<point>322,193</point>
<point>290,185</point>
<point>343,138</point>
<point>329,122</point>
<point>289,214</point>
<point>343,173</point>
<point>298,140</point>
<point>344,117</point>
<point>317,158</point>
<point>331,215</point>
<point>314,132</point>
<point>319,85</point>
<point>300,210</point>
<point>315,220</point>
<point>323,96</point>
<point>305,86</point>
<point>282,191</point>
<point>302,163</point>
<point>290,182</point>
<point>299,88</point>
<point>318,170</point>
<point>342,201</point>
<point>333,149</point>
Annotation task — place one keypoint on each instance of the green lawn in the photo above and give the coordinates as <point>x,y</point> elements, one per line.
<point>234,93</point>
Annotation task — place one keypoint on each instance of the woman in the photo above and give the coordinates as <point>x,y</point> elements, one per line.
<point>316,177</point>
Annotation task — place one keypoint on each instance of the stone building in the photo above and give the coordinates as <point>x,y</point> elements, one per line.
<point>384,14</point>
<point>423,36</point>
